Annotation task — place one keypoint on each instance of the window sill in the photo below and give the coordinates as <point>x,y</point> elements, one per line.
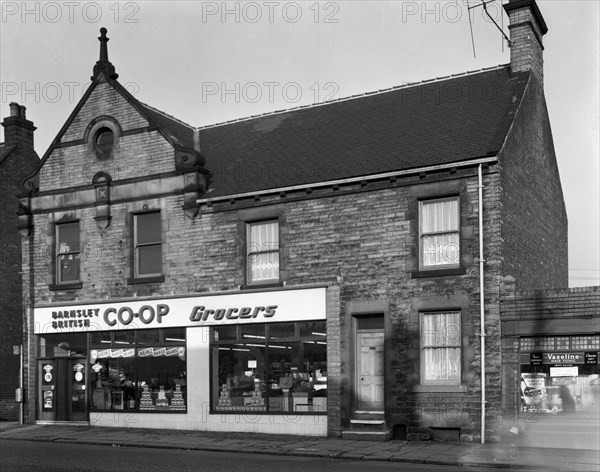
<point>440,388</point>
<point>261,285</point>
<point>66,286</point>
<point>146,280</point>
<point>419,274</point>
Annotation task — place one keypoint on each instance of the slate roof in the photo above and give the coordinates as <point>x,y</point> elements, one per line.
<point>5,152</point>
<point>436,122</point>
<point>182,133</point>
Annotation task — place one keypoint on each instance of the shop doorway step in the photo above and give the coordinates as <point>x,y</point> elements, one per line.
<point>367,426</point>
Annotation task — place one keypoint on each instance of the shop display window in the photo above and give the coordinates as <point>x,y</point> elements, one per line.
<point>142,370</point>
<point>274,368</point>
<point>552,343</point>
<point>62,345</point>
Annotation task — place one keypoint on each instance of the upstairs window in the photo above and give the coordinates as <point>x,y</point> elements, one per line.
<point>439,233</point>
<point>104,141</point>
<point>262,242</point>
<point>68,255</point>
<point>440,348</point>
<point>148,245</point>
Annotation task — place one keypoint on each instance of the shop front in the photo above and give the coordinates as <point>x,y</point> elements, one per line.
<point>233,361</point>
<point>559,374</point>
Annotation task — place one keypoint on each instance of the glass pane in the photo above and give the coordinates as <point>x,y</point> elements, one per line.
<point>149,260</point>
<point>225,333</point>
<point>162,384</point>
<point>148,228</point>
<point>105,139</point>
<point>442,364</point>
<point>316,330</point>
<point>101,339</point>
<point>64,344</point>
<point>439,216</point>
<point>68,268</point>
<point>124,338</point>
<point>239,383</point>
<point>263,237</point>
<point>147,336</point>
<point>264,266</point>
<point>252,332</point>
<point>68,234</point>
<point>440,329</point>
<point>174,336</point>
<point>441,249</point>
<point>282,330</point>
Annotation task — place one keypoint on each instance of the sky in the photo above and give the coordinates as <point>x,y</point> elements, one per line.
<point>213,61</point>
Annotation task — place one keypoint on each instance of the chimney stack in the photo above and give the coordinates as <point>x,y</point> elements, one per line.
<point>527,27</point>
<point>18,129</point>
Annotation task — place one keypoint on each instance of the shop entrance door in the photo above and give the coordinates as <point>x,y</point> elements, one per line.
<point>370,370</point>
<point>62,389</point>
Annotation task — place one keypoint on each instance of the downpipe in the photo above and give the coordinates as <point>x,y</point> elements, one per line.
<point>481,302</point>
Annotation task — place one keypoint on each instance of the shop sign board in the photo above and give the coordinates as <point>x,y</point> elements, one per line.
<point>564,371</point>
<point>591,357</point>
<point>535,358</point>
<point>564,380</point>
<point>562,358</point>
<point>211,310</point>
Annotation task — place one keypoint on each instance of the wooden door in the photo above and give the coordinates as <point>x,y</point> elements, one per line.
<point>370,368</point>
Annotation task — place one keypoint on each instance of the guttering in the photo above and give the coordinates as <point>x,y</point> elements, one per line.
<point>328,183</point>
<point>481,302</point>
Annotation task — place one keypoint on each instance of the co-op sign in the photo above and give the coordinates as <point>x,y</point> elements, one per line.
<point>255,307</point>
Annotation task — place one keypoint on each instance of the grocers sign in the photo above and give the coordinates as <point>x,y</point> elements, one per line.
<point>256,307</point>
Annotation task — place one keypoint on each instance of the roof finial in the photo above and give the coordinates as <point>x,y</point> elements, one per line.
<point>103,64</point>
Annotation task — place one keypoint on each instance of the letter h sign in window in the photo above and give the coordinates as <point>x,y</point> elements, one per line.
<point>148,244</point>
<point>263,251</point>
<point>439,233</point>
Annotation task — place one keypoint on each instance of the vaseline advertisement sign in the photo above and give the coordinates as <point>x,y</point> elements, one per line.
<point>533,388</point>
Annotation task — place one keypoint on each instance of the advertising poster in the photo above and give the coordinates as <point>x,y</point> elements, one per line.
<point>533,388</point>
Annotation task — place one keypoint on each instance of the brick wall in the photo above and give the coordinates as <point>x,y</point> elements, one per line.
<point>533,217</point>
<point>557,303</point>
<point>364,242</point>
<point>74,163</point>
<point>19,163</point>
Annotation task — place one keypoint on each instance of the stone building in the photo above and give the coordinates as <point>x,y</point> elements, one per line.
<point>17,159</point>
<point>319,271</point>
<point>551,379</point>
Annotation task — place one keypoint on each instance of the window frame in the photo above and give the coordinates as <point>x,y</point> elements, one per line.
<point>436,267</point>
<point>263,338</point>
<point>136,258</point>
<point>135,342</point>
<point>58,253</point>
<point>447,345</point>
<point>253,253</point>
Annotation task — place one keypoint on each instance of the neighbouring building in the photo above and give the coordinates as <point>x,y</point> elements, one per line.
<point>550,346</point>
<point>17,160</point>
<point>315,271</point>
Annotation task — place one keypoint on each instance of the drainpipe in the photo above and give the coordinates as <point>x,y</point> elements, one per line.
<point>481,303</point>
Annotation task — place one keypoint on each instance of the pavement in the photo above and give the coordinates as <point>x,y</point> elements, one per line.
<point>442,453</point>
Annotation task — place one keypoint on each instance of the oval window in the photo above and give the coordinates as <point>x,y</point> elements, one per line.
<point>105,140</point>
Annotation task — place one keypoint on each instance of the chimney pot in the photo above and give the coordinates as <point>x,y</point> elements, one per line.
<point>22,109</point>
<point>14,109</point>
